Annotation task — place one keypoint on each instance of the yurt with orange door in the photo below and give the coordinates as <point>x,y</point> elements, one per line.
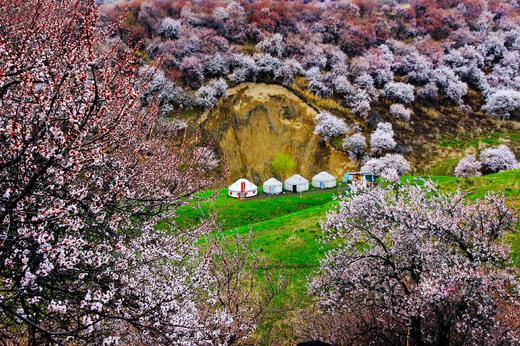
<point>242,188</point>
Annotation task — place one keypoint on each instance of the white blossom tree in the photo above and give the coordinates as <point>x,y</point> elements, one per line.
<point>502,103</point>
<point>355,146</point>
<point>450,85</point>
<point>170,28</point>
<point>418,266</point>
<point>400,92</point>
<point>382,139</point>
<point>273,45</point>
<point>208,95</point>
<point>390,165</point>
<point>399,111</point>
<point>499,158</point>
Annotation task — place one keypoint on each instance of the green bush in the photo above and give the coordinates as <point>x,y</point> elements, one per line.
<point>283,166</point>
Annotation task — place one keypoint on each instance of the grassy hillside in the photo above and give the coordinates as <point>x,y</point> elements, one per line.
<point>286,233</point>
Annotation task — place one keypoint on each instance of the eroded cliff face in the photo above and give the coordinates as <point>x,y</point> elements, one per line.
<point>257,122</point>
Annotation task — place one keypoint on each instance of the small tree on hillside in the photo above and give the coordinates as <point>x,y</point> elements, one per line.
<point>400,92</point>
<point>388,165</point>
<point>382,139</point>
<point>400,111</point>
<point>502,103</point>
<point>283,166</point>
<point>329,126</point>
<point>498,158</point>
<point>355,146</point>
<point>467,167</point>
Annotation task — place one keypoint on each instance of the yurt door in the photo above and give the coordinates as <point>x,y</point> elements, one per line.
<point>271,190</point>
<point>242,189</point>
<point>322,185</point>
<point>294,188</point>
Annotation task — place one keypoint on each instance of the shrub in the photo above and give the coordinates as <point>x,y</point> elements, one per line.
<point>468,167</point>
<point>283,165</point>
<point>400,111</point>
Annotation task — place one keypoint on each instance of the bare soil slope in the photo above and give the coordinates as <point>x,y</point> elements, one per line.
<point>259,121</point>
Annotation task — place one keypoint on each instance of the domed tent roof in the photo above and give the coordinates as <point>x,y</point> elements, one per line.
<point>323,176</point>
<point>272,182</point>
<point>237,185</point>
<point>296,180</point>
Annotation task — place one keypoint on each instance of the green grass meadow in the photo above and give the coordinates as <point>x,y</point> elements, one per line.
<point>287,235</point>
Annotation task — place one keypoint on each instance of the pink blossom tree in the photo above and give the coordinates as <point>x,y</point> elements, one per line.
<point>329,126</point>
<point>467,167</point>
<point>85,175</point>
<point>418,266</point>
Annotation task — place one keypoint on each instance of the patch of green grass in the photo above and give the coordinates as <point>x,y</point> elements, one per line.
<point>471,140</point>
<point>443,167</point>
<point>507,183</point>
<point>290,247</point>
<point>232,212</point>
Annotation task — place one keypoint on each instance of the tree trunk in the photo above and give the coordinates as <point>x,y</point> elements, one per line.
<point>415,332</point>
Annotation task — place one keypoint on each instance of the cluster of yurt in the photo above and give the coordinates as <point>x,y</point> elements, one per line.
<point>243,188</point>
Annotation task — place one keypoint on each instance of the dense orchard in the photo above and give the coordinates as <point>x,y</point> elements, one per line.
<point>426,51</point>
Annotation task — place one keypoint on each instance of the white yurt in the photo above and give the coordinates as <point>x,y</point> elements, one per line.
<point>242,188</point>
<point>296,183</point>
<point>324,180</point>
<point>272,187</point>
